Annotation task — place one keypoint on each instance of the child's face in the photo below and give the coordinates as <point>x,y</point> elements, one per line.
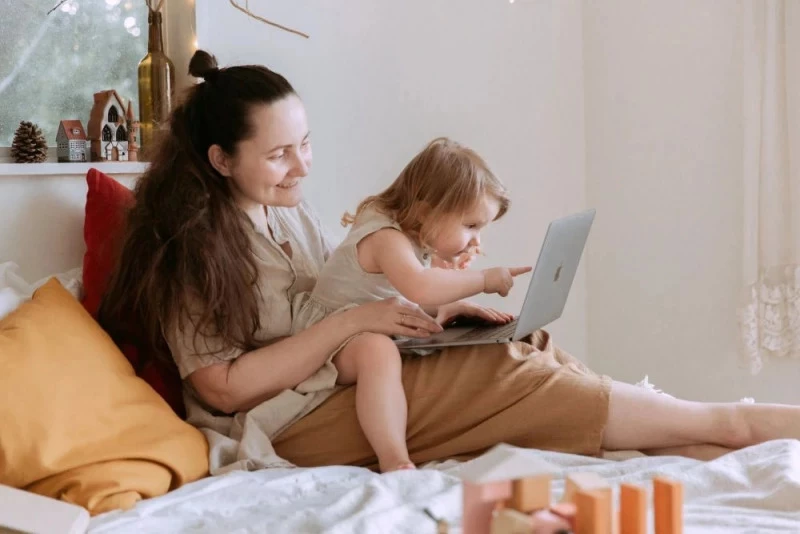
<point>456,234</point>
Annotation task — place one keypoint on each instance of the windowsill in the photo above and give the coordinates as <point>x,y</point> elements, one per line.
<point>52,168</point>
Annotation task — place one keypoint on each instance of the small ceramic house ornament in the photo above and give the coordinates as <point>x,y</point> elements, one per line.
<point>108,128</point>
<point>133,133</point>
<point>72,142</point>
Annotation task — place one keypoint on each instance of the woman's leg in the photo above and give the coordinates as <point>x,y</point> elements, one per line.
<point>642,419</point>
<point>372,362</point>
<point>463,401</point>
<point>703,453</point>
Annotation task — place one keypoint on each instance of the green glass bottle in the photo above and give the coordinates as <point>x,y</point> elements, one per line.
<point>156,84</point>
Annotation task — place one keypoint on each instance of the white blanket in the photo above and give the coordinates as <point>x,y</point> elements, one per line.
<point>755,490</point>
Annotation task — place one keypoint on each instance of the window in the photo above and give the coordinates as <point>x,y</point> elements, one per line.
<point>106,133</point>
<point>122,135</point>
<point>51,65</point>
<point>113,115</point>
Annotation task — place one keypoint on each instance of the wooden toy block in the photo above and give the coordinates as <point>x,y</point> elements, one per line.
<point>546,522</point>
<point>487,482</point>
<point>584,482</point>
<point>594,512</point>
<point>510,521</point>
<point>668,506</point>
<point>530,493</point>
<point>632,509</point>
<point>479,503</point>
<point>567,511</point>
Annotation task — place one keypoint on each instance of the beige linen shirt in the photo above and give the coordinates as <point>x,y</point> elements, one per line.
<point>243,441</point>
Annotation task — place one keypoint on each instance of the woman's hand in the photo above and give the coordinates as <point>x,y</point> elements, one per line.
<point>394,317</point>
<point>465,308</point>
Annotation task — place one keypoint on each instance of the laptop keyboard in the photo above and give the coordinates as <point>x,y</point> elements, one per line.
<point>497,332</point>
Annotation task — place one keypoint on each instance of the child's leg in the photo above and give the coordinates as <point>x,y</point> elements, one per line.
<point>372,362</point>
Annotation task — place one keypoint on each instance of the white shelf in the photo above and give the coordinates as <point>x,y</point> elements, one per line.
<point>52,168</point>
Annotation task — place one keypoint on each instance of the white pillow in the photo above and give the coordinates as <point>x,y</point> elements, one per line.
<point>14,289</point>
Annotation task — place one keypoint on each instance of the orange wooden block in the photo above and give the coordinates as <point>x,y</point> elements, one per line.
<point>530,493</point>
<point>632,509</point>
<point>584,482</point>
<point>594,512</point>
<point>668,506</point>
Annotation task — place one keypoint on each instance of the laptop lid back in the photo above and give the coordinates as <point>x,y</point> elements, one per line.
<point>554,273</point>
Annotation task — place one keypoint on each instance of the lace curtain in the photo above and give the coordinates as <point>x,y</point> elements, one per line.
<point>769,315</point>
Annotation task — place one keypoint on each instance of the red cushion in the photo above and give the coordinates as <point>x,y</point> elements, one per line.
<point>106,203</point>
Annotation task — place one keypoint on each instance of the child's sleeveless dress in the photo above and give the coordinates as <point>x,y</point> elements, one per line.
<point>343,284</point>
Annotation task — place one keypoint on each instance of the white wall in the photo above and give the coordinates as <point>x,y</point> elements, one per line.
<point>663,86</point>
<point>41,221</point>
<point>661,151</point>
<point>380,79</point>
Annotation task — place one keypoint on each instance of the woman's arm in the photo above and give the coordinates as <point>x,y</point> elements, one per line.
<point>256,376</point>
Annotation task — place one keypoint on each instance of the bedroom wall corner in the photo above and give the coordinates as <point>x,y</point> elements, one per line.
<point>664,168</point>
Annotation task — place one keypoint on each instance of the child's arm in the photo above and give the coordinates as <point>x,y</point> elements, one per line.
<point>391,253</point>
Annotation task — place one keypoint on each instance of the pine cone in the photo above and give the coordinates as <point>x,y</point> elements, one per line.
<point>29,144</point>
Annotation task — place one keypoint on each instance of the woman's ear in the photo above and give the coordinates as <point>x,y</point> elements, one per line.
<point>219,160</point>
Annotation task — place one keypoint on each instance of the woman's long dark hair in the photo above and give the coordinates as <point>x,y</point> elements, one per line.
<point>186,253</point>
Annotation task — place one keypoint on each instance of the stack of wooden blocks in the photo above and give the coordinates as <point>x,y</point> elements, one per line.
<point>508,495</point>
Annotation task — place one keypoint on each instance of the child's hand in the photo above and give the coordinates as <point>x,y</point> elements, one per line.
<point>500,280</point>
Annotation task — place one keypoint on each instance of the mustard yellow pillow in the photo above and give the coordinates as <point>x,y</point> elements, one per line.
<point>76,423</point>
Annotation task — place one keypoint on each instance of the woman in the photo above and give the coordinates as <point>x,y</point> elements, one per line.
<point>219,245</point>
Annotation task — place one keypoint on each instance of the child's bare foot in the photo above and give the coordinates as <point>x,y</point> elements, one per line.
<point>397,466</point>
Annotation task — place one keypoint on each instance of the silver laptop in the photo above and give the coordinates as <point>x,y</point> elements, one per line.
<point>547,292</point>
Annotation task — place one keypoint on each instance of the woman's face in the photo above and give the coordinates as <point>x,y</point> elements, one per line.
<point>268,168</point>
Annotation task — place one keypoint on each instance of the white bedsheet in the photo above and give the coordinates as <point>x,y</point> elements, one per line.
<point>15,289</point>
<point>754,490</point>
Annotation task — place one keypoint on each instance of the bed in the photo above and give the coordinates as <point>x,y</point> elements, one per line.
<point>754,490</point>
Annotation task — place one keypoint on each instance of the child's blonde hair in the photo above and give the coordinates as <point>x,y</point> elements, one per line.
<point>445,178</point>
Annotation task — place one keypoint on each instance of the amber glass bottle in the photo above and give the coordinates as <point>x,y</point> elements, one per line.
<point>156,84</point>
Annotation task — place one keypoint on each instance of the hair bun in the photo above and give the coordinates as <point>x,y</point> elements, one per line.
<point>203,65</point>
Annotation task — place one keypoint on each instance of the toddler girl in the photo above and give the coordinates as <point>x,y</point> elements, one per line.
<point>434,211</point>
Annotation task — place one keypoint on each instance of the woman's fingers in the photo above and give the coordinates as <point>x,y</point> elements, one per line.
<point>412,309</point>
<point>414,317</point>
<point>413,332</point>
<point>428,325</point>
